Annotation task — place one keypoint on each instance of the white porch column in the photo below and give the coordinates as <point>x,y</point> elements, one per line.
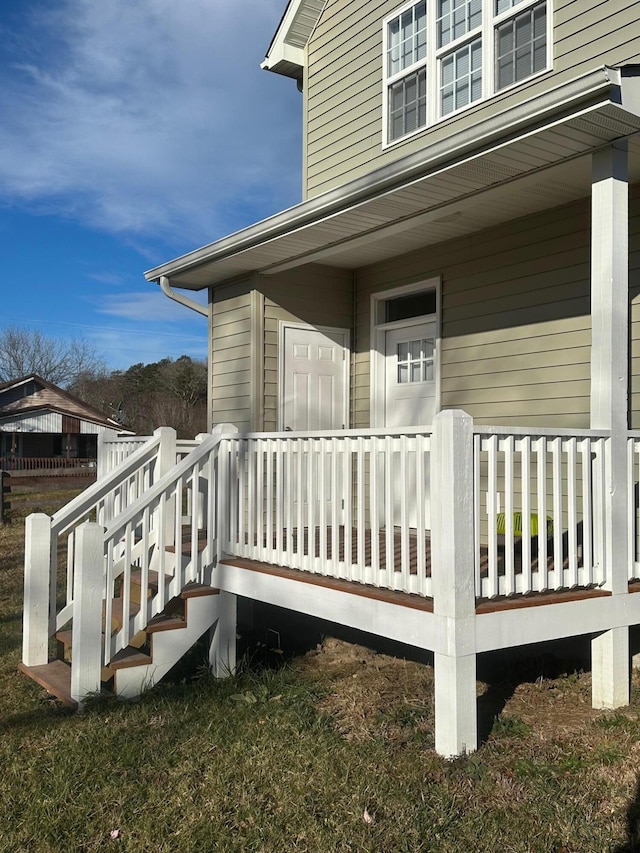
<point>453,584</point>
<point>609,398</point>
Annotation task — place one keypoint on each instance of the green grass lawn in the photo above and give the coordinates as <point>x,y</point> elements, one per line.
<point>330,752</point>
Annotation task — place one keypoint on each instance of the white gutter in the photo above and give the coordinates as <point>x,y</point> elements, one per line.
<point>165,287</point>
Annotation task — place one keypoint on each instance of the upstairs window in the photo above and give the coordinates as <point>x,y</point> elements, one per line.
<point>440,56</point>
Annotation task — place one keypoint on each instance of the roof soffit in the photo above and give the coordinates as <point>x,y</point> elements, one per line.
<point>558,128</point>
<point>286,53</point>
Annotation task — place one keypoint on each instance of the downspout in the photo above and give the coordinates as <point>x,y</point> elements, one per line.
<point>166,288</point>
<point>181,299</point>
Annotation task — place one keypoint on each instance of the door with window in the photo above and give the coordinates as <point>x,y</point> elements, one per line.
<point>410,399</point>
<point>410,375</point>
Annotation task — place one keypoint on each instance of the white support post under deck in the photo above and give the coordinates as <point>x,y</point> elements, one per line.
<point>609,399</point>
<point>453,582</point>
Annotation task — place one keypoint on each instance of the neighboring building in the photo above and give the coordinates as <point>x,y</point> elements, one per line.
<point>468,240</point>
<point>41,424</point>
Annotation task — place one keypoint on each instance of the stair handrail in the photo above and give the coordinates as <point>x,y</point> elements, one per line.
<point>117,525</point>
<point>133,526</point>
<point>87,500</point>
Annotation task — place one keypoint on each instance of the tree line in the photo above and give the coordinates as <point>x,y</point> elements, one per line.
<point>143,397</point>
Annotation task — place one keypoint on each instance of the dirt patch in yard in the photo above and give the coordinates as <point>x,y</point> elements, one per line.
<point>370,695</point>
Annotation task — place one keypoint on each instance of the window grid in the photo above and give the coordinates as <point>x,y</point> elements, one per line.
<point>407,38</point>
<point>408,104</point>
<point>521,46</point>
<point>416,361</point>
<point>461,77</point>
<point>443,55</point>
<point>455,18</point>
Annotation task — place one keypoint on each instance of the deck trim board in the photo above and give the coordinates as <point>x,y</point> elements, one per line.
<point>402,599</point>
<point>538,599</point>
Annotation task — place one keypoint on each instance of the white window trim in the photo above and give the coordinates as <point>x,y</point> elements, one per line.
<point>433,64</point>
<point>377,356</point>
<point>283,325</point>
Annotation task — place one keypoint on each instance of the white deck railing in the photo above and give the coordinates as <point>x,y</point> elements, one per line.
<point>351,505</point>
<point>549,486</point>
<point>113,450</point>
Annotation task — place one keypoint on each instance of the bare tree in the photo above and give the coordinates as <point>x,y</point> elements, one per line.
<point>24,351</point>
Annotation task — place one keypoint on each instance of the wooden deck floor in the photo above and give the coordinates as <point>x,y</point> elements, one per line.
<point>290,542</point>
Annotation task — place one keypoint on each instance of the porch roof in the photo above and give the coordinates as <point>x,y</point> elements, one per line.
<point>517,162</point>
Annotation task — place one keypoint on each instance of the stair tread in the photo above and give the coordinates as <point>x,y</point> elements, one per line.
<point>194,590</point>
<point>186,541</point>
<point>55,677</point>
<point>117,612</point>
<point>129,657</point>
<point>165,623</point>
<point>64,636</point>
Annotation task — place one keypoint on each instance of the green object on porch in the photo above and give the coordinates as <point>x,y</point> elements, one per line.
<point>517,524</point>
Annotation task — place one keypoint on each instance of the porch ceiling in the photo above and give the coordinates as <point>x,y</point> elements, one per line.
<point>512,166</point>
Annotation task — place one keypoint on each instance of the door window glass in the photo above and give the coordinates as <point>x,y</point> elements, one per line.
<point>416,361</point>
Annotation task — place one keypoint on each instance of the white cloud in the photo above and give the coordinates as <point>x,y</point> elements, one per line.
<point>148,117</point>
<point>152,306</point>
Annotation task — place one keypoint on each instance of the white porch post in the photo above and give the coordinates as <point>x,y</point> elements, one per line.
<point>166,451</point>
<point>37,581</point>
<point>88,588</point>
<point>226,488</point>
<point>609,399</point>
<point>452,560</point>
<point>102,456</point>
<point>222,651</point>
<point>166,461</point>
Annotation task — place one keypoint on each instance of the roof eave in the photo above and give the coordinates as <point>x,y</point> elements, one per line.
<point>601,85</point>
<point>286,53</point>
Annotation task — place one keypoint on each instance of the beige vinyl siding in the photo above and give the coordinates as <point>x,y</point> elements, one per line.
<point>315,294</point>
<point>516,326</point>
<point>344,131</point>
<point>231,348</point>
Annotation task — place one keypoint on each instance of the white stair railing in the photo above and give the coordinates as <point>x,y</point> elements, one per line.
<point>48,576</point>
<point>155,549</point>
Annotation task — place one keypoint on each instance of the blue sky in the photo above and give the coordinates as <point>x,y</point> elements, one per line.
<point>132,131</point>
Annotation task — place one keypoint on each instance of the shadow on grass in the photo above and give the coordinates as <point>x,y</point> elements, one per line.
<point>632,844</point>
<point>503,671</point>
<point>48,712</point>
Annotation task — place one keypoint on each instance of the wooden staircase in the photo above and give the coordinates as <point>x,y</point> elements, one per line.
<point>150,654</point>
<point>142,545</point>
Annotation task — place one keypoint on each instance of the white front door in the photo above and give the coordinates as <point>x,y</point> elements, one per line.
<point>410,398</point>
<point>314,397</point>
<point>314,378</point>
<point>410,375</point>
